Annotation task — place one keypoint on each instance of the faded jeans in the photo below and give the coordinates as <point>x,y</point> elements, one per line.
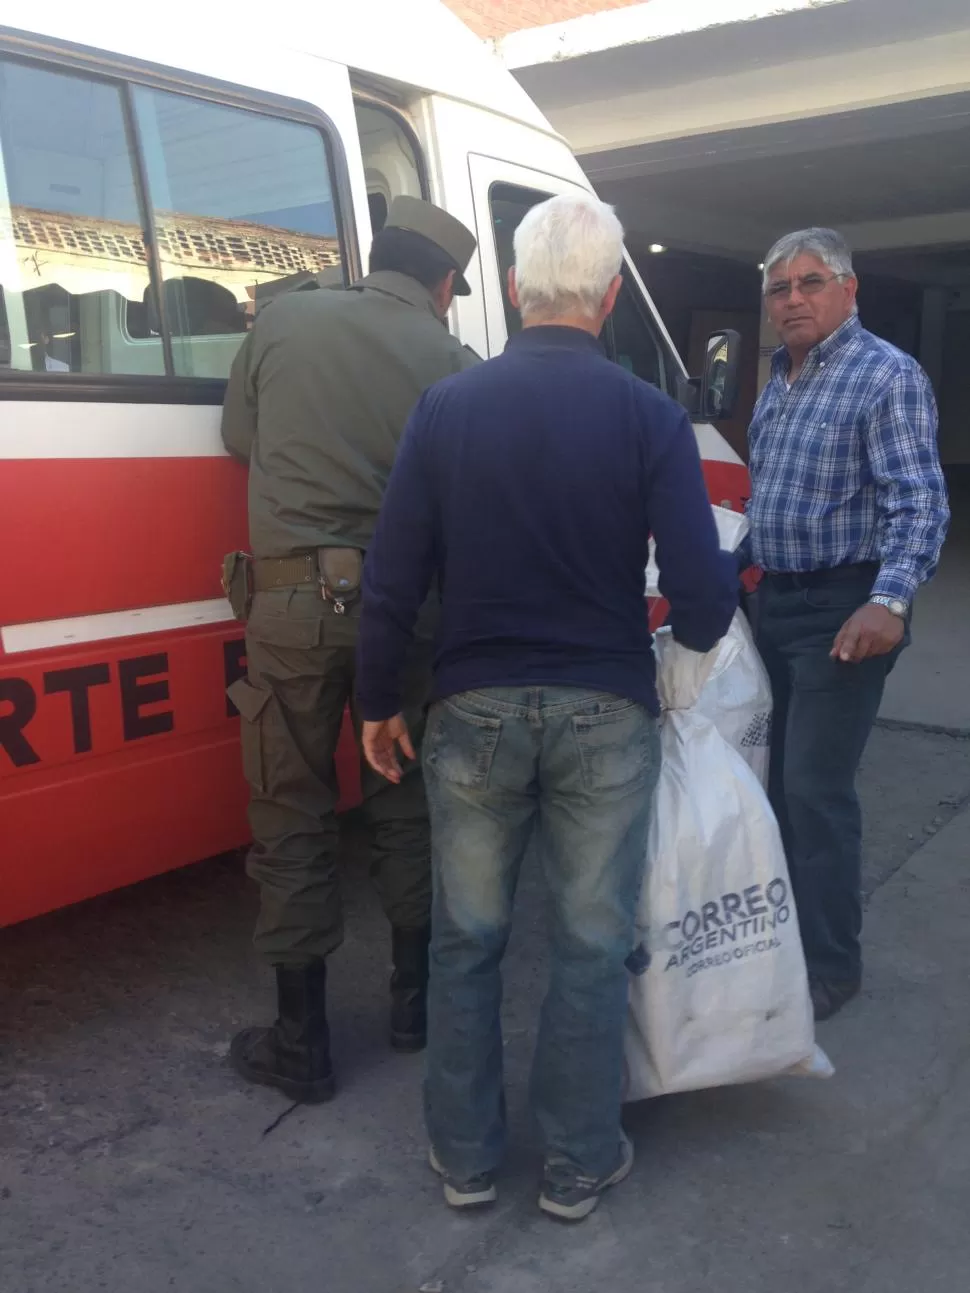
<point>576,771</point>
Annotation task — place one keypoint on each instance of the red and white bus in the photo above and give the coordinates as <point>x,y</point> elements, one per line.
<point>160,179</point>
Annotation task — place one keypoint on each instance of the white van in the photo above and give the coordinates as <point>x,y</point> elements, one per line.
<point>164,173</point>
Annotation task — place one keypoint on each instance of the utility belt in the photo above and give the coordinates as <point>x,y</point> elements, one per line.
<point>336,571</point>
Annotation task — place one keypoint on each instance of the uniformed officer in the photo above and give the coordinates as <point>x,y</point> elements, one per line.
<point>317,401</point>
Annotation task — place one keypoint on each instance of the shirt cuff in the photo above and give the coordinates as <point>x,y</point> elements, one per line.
<point>377,706</point>
<point>896,583</point>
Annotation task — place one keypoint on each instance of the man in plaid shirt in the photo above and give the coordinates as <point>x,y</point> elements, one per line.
<point>848,514</point>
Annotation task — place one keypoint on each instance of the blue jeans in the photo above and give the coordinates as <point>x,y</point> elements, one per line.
<point>824,711</point>
<point>577,771</point>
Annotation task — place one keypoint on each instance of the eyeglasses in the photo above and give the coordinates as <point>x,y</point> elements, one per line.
<point>810,285</point>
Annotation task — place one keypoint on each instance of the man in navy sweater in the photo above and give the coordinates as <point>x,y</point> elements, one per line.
<point>525,490</point>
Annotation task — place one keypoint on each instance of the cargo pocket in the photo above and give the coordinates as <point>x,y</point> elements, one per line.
<point>251,702</point>
<point>460,746</point>
<point>284,617</point>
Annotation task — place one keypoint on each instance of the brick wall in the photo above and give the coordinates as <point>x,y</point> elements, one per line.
<point>499,17</point>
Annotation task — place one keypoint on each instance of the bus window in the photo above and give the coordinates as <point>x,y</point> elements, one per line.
<point>392,165</point>
<point>72,250</point>
<point>629,336</point>
<point>243,204</point>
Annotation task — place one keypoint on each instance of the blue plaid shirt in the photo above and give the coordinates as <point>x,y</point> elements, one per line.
<point>844,464</point>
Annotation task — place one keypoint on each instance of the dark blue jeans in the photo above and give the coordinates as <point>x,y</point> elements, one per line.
<point>823,713</point>
<point>576,771</point>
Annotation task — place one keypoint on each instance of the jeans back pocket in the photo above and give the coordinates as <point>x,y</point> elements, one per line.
<point>459,745</point>
<point>618,747</point>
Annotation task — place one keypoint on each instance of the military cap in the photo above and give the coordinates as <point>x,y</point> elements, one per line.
<point>447,233</point>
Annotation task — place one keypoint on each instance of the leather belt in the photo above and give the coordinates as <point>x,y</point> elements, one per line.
<point>858,570</point>
<point>284,572</point>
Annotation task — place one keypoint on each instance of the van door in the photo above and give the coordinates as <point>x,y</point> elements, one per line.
<point>634,335</point>
<point>503,192</point>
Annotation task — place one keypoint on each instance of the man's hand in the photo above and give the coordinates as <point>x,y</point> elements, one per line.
<point>872,630</point>
<point>380,741</point>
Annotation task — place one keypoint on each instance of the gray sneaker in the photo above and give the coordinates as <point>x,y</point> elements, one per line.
<point>476,1192</point>
<point>571,1197</point>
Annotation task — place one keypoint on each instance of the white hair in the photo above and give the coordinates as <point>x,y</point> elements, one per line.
<point>567,252</point>
<point>826,245</point>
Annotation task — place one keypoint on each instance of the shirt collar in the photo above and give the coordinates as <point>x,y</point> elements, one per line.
<point>823,352</point>
<point>403,288</point>
<point>554,335</point>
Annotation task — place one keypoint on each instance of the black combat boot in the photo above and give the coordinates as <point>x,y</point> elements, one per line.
<point>409,989</point>
<point>294,1054</point>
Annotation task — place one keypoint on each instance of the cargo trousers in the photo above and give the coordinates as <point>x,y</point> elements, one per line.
<point>301,666</point>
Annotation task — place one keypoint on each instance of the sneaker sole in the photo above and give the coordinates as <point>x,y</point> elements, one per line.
<point>318,1091</point>
<point>461,1199</point>
<point>580,1211</point>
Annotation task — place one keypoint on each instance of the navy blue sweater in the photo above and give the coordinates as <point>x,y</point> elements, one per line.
<point>528,487</point>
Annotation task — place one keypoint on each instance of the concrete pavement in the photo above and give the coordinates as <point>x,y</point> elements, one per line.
<point>131,1159</point>
<point>929,685</point>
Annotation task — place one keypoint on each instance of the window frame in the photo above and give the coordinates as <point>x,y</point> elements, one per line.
<point>369,99</point>
<point>125,74</point>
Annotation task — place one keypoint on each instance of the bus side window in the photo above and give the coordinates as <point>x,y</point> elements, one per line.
<point>392,163</point>
<point>243,208</point>
<point>75,248</point>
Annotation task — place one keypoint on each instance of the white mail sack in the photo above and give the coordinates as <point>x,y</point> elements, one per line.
<point>736,695</point>
<point>718,991</point>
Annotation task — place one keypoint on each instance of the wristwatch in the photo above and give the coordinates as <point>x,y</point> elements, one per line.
<point>894,605</point>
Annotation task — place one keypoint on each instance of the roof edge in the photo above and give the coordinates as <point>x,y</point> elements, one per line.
<point>635,25</point>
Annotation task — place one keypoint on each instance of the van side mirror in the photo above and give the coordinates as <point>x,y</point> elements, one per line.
<point>713,396</point>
